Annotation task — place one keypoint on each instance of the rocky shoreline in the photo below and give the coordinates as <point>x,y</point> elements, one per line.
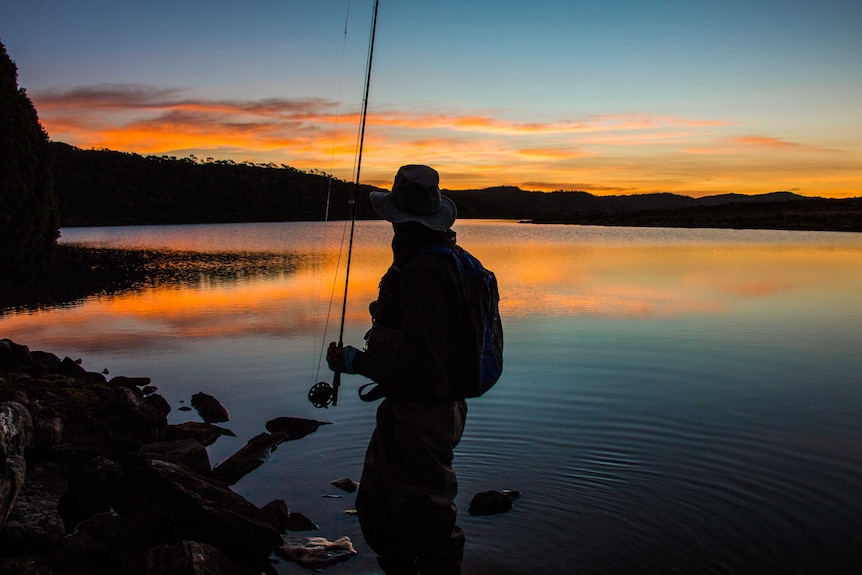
<point>94,480</point>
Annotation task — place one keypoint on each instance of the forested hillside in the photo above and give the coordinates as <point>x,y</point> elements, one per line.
<point>102,187</point>
<point>28,211</point>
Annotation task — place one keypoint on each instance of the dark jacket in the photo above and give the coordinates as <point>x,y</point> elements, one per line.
<point>415,348</point>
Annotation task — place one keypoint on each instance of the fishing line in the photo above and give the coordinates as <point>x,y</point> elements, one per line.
<point>319,353</point>
<point>323,394</point>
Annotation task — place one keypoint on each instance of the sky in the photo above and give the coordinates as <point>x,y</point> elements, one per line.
<point>609,97</point>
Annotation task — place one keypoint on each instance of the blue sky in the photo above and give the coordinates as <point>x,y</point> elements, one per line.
<point>609,97</point>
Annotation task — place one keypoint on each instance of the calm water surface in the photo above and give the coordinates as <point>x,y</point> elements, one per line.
<point>673,401</point>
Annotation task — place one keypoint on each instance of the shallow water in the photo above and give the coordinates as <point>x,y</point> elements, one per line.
<point>673,401</point>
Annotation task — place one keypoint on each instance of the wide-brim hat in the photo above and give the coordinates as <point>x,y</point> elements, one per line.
<point>416,197</point>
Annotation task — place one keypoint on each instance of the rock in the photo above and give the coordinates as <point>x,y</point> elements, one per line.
<point>278,514</point>
<point>205,433</point>
<point>188,558</point>
<point>35,524</point>
<point>315,552</point>
<point>148,389</point>
<point>16,428</point>
<point>13,355</point>
<point>47,362</point>
<point>294,427</point>
<point>251,456</point>
<point>130,381</point>
<point>132,414</point>
<point>209,408</point>
<point>492,502</point>
<point>102,535</point>
<point>284,520</point>
<point>159,402</point>
<point>13,473</point>
<point>171,502</point>
<point>48,433</point>
<point>71,368</point>
<point>345,484</point>
<point>16,438</point>
<point>182,451</point>
<point>93,486</point>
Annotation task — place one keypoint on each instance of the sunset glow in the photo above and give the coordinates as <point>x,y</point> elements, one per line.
<point>553,100</point>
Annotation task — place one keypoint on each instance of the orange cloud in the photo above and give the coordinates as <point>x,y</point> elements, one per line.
<point>633,152</point>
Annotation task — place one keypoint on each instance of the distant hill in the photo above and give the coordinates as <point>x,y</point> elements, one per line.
<point>103,187</point>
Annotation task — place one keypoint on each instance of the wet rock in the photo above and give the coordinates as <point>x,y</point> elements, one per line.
<point>284,520</point>
<point>299,522</point>
<point>134,416</point>
<point>102,535</point>
<point>71,368</point>
<point>130,381</point>
<point>315,552</point>
<point>172,502</point>
<point>47,433</point>
<point>251,456</point>
<point>13,355</point>
<point>188,558</point>
<point>93,486</point>
<point>492,502</point>
<point>209,408</point>
<point>47,362</point>
<point>13,473</point>
<point>182,451</point>
<point>16,428</point>
<point>35,523</point>
<point>294,427</point>
<point>159,402</point>
<point>205,433</point>
<point>16,438</point>
<point>345,484</point>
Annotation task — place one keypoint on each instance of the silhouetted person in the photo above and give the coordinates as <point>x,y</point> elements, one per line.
<point>415,353</point>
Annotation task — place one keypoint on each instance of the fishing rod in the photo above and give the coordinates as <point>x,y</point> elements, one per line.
<point>322,394</point>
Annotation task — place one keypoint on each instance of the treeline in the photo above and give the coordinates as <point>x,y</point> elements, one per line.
<point>28,210</point>
<point>103,187</point>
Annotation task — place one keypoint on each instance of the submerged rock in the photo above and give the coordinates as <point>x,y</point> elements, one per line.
<point>251,456</point>
<point>345,484</point>
<point>209,408</point>
<point>188,452</point>
<point>205,433</point>
<point>315,552</point>
<point>492,502</point>
<point>284,520</point>
<point>294,427</point>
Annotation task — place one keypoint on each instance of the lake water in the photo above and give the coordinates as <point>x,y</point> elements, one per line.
<point>673,401</point>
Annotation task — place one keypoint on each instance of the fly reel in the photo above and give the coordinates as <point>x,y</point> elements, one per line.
<point>321,394</point>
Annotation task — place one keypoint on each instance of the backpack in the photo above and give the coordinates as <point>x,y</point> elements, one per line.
<point>482,320</point>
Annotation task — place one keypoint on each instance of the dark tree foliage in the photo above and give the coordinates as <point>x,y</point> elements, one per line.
<point>29,218</point>
<point>103,187</point>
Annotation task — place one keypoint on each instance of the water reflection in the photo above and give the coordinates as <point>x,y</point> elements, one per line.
<point>673,400</point>
<point>203,291</point>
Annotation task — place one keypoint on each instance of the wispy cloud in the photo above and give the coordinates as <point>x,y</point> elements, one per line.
<point>608,153</point>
